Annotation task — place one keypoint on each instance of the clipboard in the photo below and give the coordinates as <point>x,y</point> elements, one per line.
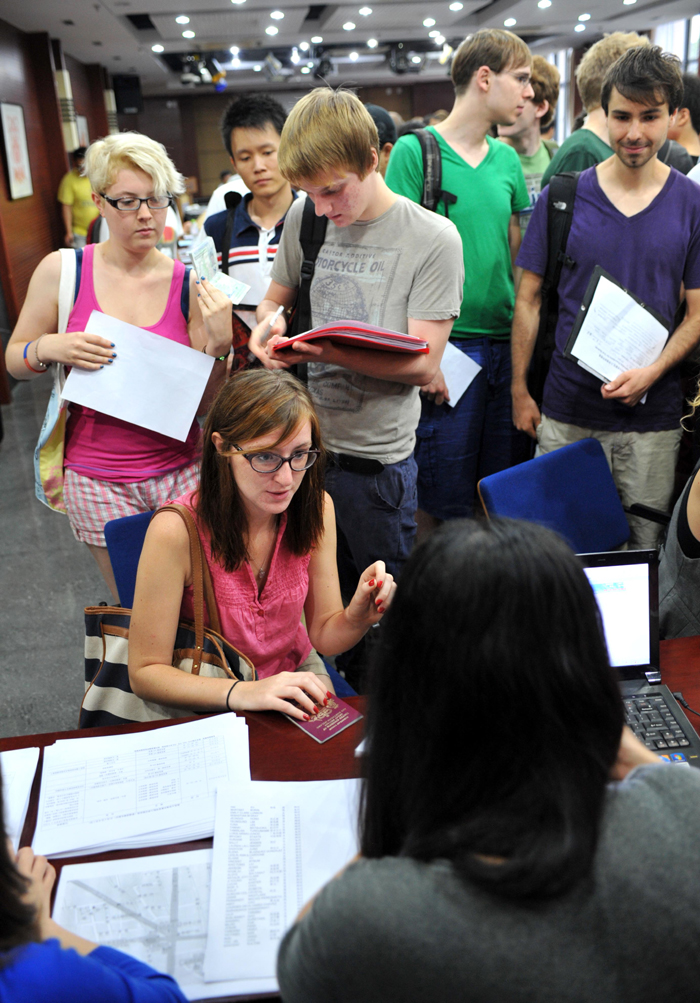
<point>598,273</point>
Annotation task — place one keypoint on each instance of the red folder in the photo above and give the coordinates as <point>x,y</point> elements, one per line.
<point>354,332</point>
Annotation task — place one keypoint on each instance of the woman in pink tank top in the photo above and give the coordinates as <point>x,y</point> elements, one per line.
<point>268,533</point>
<point>111,467</point>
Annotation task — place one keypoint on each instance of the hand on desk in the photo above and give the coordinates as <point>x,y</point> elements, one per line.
<point>631,753</point>
<point>276,693</point>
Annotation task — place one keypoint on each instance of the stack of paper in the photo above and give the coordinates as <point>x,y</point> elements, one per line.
<point>18,769</point>
<point>150,788</point>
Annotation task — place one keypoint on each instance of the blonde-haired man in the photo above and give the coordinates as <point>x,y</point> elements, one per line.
<point>384,261</point>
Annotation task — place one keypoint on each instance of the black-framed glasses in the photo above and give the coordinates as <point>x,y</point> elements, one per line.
<point>268,463</point>
<point>132,204</point>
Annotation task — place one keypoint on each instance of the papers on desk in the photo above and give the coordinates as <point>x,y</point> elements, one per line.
<point>153,382</point>
<point>275,845</point>
<point>148,788</point>
<point>18,769</point>
<point>458,370</point>
<point>614,330</point>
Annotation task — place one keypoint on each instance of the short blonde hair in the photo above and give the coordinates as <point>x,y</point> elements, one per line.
<point>327,130</point>
<point>492,47</point>
<point>545,84</point>
<point>591,71</point>
<point>128,150</point>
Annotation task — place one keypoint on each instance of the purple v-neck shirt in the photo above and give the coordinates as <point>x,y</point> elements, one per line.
<point>651,254</point>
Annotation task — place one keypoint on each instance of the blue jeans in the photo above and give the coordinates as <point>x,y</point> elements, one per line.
<point>457,446</point>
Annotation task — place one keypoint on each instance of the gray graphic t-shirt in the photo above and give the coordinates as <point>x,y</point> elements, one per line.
<point>406,263</point>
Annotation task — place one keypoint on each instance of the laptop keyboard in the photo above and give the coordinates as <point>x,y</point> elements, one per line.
<point>652,721</point>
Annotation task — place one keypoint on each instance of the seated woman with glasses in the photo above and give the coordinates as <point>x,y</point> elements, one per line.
<point>111,467</point>
<point>268,534</point>
<point>518,844</point>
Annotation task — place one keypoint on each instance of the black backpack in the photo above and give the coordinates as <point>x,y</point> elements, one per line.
<point>433,192</point>
<point>560,211</point>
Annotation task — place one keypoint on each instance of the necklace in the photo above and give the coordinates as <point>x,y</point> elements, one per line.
<point>260,573</point>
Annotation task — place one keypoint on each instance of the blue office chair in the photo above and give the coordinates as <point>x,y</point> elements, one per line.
<point>570,490</point>
<point>124,543</point>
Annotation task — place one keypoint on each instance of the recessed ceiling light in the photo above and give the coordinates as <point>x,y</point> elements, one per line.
<point>456,6</point>
<point>234,50</point>
<point>306,69</point>
<point>188,34</point>
<point>580,27</point>
<point>584,17</point>
<point>354,56</point>
<point>235,62</point>
<point>349,26</point>
<point>429,22</point>
<point>317,39</point>
<point>182,19</point>
<point>365,11</point>
<point>434,33</point>
<point>509,22</point>
<point>628,2</point>
<point>271,30</point>
<point>304,46</point>
<point>439,39</point>
<point>544,4</point>
<point>372,43</point>
<point>157,48</point>
<point>257,68</point>
<point>237,1</point>
<point>276,15</point>
<point>295,57</point>
<point>415,59</point>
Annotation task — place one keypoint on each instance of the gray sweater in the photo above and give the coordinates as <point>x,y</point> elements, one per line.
<point>398,931</point>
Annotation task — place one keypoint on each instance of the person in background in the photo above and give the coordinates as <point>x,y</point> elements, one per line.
<point>517,858</point>
<point>42,962</point>
<point>525,135</point>
<point>225,176</point>
<point>686,127</point>
<point>386,131</point>
<point>396,118</point>
<point>457,445</point>
<point>437,116</point>
<point>77,208</point>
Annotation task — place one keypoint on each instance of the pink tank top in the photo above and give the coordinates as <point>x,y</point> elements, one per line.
<point>109,449</point>
<point>266,628</point>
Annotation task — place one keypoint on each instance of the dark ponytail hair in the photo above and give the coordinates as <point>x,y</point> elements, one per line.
<point>494,716</point>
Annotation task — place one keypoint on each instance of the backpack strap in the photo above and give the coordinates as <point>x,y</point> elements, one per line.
<point>433,192</point>
<point>233,200</point>
<point>560,213</point>
<point>311,237</point>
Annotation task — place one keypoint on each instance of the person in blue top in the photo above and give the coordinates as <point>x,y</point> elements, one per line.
<point>40,962</point>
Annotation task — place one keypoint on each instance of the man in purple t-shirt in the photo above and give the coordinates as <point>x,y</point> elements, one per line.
<point>640,221</point>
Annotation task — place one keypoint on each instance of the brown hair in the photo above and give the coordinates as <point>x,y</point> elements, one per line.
<point>327,130</point>
<point>646,75</point>
<point>591,71</point>
<point>253,403</point>
<point>545,83</point>
<point>490,47</point>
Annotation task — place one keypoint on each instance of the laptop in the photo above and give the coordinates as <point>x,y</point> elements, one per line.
<point>626,587</point>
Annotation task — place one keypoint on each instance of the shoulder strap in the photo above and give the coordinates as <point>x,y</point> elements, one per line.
<point>433,192</point>
<point>67,287</point>
<point>311,237</point>
<point>560,213</point>
<point>233,200</point>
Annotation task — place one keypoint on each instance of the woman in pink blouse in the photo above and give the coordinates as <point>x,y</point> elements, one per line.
<point>268,532</point>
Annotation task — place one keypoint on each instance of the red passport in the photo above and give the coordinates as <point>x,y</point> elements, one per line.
<point>330,720</point>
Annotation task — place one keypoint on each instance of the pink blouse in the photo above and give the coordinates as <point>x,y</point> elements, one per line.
<point>266,628</point>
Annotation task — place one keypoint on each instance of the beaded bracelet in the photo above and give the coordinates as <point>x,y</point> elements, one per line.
<point>29,365</point>
<point>217,358</point>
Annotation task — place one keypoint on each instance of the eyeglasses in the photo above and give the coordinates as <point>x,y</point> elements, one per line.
<point>132,204</point>
<point>268,463</point>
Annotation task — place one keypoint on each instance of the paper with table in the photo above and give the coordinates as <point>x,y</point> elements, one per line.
<point>147,788</point>
<point>18,769</point>
<point>614,330</point>
<point>458,371</point>
<point>153,382</point>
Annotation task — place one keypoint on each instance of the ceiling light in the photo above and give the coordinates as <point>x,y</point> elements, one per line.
<point>276,15</point>
<point>157,48</point>
<point>234,50</point>
<point>584,17</point>
<point>235,62</point>
<point>317,39</point>
<point>429,22</point>
<point>372,43</point>
<point>365,11</point>
<point>439,39</point>
<point>580,27</point>
<point>271,30</point>
<point>456,6</point>
<point>509,22</point>
<point>348,26</point>
<point>295,56</point>
<point>415,59</point>
<point>434,33</point>
<point>237,1</point>
<point>304,46</point>
<point>628,2</point>
<point>306,69</point>
<point>182,19</point>
<point>544,4</point>
<point>354,56</point>
<point>188,34</point>
<point>257,68</point>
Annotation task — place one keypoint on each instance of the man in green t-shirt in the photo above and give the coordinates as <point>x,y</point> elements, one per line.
<point>457,445</point>
<point>525,135</point>
<point>77,208</point>
<point>589,145</point>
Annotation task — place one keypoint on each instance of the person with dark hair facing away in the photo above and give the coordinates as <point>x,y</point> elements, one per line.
<point>639,220</point>
<point>41,962</point>
<point>498,860</point>
<point>386,130</point>
<point>269,539</point>
<point>686,128</point>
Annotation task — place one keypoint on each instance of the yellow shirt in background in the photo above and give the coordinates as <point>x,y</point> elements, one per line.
<point>76,192</point>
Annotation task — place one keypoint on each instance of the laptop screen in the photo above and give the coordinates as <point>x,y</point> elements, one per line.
<point>625,585</point>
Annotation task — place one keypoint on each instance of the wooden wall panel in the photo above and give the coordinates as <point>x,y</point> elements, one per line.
<point>88,95</point>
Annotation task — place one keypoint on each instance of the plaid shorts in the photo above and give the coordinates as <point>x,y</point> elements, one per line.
<point>91,503</point>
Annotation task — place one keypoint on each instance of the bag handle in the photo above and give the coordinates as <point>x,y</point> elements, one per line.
<point>201,582</point>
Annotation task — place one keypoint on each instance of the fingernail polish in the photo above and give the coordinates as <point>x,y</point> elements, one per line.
<point>315,710</point>
<point>306,717</point>
<point>377,601</point>
<point>328,693</point>
<point>371,582</point>
<point>112,344</point>
<point>114,355</point>
<point>325,701</point>
<point>379,584</point>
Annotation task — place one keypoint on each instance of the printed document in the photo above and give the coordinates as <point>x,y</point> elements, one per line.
<point>459,370</point>
<point>18,769</point>
<point>148,788</point>
<point>154,908</point>
<point>617,333</point>
<point>275,845</point>
<point>153,382</point>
